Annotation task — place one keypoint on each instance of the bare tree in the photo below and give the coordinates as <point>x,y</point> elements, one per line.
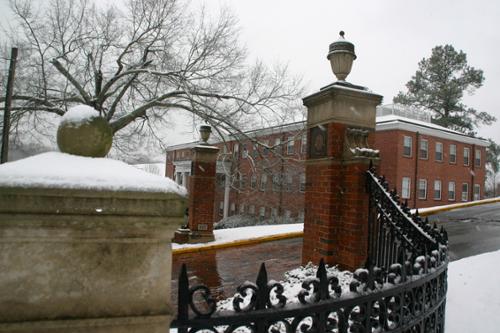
<point>137,62</point>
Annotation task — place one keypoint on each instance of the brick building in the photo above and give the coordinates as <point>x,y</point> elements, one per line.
<point>428,164</point>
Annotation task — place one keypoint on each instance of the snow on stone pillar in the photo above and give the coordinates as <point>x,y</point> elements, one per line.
<point>201,193</point>
<point>85,243</point>
<point>340,126</point>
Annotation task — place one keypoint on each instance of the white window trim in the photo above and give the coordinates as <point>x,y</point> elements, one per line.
<point>437,181</point>
<point>475,157</point>
<point>403,196</point>
<point>455,154</point>
<point>420,149</point>
<point>404,146</point>
<point>474,192</point>
<point>290,145</point>
<point>436,151</point>
<point>425,188</point>
<point>454,191</point>
<point>467,192</point>
<point>468,156</point>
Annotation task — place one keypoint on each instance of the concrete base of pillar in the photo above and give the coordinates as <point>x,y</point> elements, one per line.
<point>150,324</point>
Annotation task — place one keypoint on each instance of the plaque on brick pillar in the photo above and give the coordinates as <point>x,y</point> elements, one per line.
<point>201,191</point>
<point>341,125</point>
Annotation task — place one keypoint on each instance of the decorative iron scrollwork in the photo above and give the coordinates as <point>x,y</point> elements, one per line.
<point>402,288</point>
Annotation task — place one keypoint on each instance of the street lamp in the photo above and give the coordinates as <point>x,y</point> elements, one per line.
<point>341,55</point>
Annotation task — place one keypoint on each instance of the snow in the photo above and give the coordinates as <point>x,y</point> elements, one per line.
<point>224,236</point>
<point>292,284</point>
<point>60,170</point>
<point>79,114</point>
<point>473,299</point>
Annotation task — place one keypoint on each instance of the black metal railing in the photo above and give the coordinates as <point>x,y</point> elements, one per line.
<point>402,289</point>
<point>393,230</point>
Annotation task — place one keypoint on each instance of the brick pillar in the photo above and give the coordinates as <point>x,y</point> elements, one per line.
<point>340,125</point>
<point>201,188</point>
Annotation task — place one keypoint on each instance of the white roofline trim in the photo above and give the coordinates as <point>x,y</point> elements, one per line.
<point>399,124</point>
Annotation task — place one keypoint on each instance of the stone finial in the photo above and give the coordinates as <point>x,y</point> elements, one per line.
<point>341,55</point>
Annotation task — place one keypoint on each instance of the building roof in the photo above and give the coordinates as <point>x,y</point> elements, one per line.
<point>394,122</point>
<point>383,123</point>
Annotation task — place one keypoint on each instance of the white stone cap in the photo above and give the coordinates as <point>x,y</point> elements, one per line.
<point>65,171</point>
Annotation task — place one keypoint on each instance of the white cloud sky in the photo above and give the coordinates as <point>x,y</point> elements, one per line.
<point>390,36</point>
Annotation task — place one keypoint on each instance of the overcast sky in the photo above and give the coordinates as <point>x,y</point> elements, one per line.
<point>390,36</point>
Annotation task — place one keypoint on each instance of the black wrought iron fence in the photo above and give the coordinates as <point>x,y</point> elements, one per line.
<point>393,230</point>
<point>402,289</point>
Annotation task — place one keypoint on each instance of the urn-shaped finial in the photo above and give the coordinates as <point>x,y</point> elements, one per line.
<point>341,55</point>
<point>205,132</point>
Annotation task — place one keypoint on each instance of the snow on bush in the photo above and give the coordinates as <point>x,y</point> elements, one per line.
<point>292,284</point>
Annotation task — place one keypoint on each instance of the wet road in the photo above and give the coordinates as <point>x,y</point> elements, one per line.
<point>471,231</point>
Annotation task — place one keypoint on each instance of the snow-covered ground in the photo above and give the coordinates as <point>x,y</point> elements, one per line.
<point>223,236</point>
<point>473,303</point>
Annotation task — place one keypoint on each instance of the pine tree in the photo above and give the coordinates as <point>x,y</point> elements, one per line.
<point>439,85</point>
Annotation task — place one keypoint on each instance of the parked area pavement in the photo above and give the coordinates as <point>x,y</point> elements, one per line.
<point>471,231</point>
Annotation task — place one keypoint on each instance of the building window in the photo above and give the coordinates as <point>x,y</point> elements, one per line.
<point>477,192</point>
<point>262,213</point>
<point>301,216</point>
<point>437,190</point>
<point>405,188</point>
<point>439,152</point>
<point>221,208</point>
<point>253,181</point>
<point>244,153</point>
<point>265,145</point>
<point>178,178</point>
<point>276,183</point>
<point>303,143</point>
<point>424,149</point>
<point>451,191</point>
<point>255,150</point>
<point>251,210</point>
<point>277,145</point>
<point>422,189</point>
<point>263,182</point>
<point>302,183</point>
<point>465,192</point>
<point>220,178</point>
<point>466,156</point>
<point>232,208</point>
<point>289,182</point>
<point>288,215</point>
<point>274,212</point>
<point>453,154</point>
<point>477,158</point>
<point>243,181</point>
<point>407,142</point>
<point>242,209</point>
<point>290,145</point>
<point>236,150</point>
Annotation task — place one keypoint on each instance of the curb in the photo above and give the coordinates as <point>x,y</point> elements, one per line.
<point>458,206</point>
<point>242,242</point>
<point>297,234</point>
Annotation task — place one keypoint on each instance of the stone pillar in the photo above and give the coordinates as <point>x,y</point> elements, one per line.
<point>86,261</point>
<point>340,125</point>
<point>201,196</point>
